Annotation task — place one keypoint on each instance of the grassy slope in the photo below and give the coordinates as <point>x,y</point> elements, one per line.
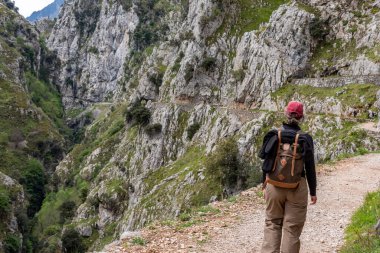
<point>360,234</point>
<point>242,16</point>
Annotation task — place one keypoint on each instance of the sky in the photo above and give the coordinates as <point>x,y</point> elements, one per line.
<point>26,7</point>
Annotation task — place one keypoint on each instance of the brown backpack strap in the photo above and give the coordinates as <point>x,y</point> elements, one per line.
<point>278,149</point>
<point>294,152</point>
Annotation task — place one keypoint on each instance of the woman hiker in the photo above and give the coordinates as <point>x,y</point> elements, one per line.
<point>288,155</point>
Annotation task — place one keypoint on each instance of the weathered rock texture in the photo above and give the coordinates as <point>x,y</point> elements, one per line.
<point>203,82</point>
<point>30,141</point>
<point>92,41</point>
<point>12,191</point>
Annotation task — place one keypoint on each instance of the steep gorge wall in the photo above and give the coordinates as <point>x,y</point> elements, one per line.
<point>198,70</point>
<point>32,128</point>
<point>96,63</point>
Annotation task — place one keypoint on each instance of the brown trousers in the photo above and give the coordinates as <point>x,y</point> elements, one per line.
<point>285,217</point>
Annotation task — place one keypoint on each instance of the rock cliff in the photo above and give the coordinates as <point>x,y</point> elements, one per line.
<point>173,98</point>
<point>204,71</point>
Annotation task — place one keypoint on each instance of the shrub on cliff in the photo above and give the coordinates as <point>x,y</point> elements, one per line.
<point>72,241</point>
<point>192,130</point>
<point>12,244</point>
<point>224,162</point>
<point>33,180</point>
<point>208,63</point>
<point>5,204</point>
<point>318,29</point>
<point>153,129</point>
<point>67,211</point>
<point>138,114</point>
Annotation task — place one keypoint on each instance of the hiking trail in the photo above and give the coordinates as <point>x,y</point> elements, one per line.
<point>341,189</point>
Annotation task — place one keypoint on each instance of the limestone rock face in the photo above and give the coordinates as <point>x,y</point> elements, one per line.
<point>272,56</point>
<point>12,191</point>
<point>201,85</point>
<point>93,67</point>
<point>354,35</point>
<point>93,53</point>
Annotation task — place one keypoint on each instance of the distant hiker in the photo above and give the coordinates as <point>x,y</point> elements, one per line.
<point>288,155</point>
<point>356,113</point>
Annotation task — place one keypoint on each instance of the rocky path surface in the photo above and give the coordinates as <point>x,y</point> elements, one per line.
<point>239,228</point>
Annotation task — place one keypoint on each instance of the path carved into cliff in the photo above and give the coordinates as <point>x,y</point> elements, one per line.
<point>238,228</point>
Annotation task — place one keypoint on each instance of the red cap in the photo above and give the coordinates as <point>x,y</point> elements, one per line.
<point>294,108</point>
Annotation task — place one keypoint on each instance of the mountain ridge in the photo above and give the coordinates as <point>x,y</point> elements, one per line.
<point>51,11</point>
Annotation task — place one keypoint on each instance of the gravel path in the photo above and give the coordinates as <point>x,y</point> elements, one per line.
<point>341,190</point>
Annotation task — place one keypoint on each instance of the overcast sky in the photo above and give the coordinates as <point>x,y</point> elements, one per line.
<point>26,7</point>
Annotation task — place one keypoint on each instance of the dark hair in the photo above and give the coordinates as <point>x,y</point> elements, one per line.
<point>293,121</point>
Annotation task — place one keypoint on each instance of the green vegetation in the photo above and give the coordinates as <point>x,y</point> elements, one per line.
<point>373,53</point>
<point>189,72</point>
<point>192,159</point>
<point>138,114</point>
<point>33,180</point>
<point>151,27</point>
<point>360,151</point>
<point>309,8</point>
<point>5,203</point>
<point>340,135</point>
<point>195,193</point>
<point>208,63</point>
<point>93,50</point>
<point>32,126</point>
<point>318,29</point>
<point>184,217</point>
<point>116,127</point>
<point>86,15</point>
<point>153,129</point>
<point>38,134</point>
<point>350,95</point>
<point>182,123</point>
<point>225,164</point>
<point>52,208</point>
<point>158,75</point>
<point>239,75</point>
<point>242,16</point>
<point>360,234</point>
<point>72,241</point>
<point>177,63</point>
<point>255,12</point>
<point>12,244</point>
<point>191,217</point>
<point>328,52</point>
<point>205,210</point>
<point>232,199</point>
<point>58,207</point>
<point>67,211</point>
<point>139,241</point>
<point>192,130</point>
